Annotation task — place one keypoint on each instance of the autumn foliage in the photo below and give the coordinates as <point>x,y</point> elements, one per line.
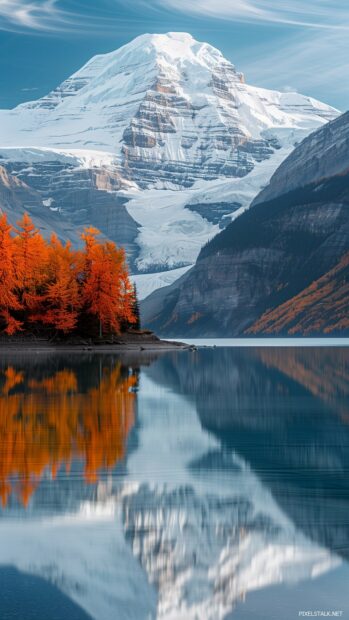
<point>321,308</point>
<point>48,422</point>
<point>53,286</point>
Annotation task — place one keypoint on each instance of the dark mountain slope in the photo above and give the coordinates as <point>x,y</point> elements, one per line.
<point>321,155</point>
<point>323,307</point>
<point>270,253</point>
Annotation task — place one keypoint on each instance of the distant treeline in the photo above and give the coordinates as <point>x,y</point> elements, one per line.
<point>52,286</point>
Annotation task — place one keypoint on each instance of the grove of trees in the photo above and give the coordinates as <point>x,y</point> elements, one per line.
<point>51,286</point>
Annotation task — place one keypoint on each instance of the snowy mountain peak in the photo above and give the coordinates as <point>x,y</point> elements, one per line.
<point>178,46</point>
<point>170,109</point>
<point>164,112</point>
<point>167,100</point>
<point>173,63</point>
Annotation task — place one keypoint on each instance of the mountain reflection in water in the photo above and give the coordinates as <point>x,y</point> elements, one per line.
<point>286,411</point>
<point>179,486</point>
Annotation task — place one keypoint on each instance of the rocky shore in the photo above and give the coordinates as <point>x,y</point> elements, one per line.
<point>132,340</point>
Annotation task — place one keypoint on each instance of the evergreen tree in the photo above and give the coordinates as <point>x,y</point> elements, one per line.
<point>136,310</point>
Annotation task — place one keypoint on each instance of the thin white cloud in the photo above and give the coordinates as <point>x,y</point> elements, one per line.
<point>314,13</point>
<point>314,63</point>
<point>313,59</point>
<point>20,14</point>
<point>46,16</point>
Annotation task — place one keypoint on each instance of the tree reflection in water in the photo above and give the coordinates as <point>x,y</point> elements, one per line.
<point>49,420</point>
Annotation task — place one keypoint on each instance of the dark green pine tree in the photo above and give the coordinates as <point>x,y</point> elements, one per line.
<point>136,310</point>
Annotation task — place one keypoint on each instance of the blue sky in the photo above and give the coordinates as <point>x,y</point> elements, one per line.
<point>285,44</point>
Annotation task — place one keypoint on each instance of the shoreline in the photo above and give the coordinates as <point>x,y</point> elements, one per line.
<point>125,343</point>
<point>261,341</point>
<point>148,342</point>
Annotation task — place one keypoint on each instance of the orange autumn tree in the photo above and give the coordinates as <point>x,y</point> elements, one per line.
<point>107,293</point>
<point>31,265</point>
<point>62,290</point>
<point>8,299</point>
<point>51,286</point>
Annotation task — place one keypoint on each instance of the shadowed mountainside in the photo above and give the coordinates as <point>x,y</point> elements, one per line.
<point>288,239</point>
<point>322,307</point>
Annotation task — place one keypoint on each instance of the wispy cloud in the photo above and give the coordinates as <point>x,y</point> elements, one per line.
<point>312,58</point>
<point>313,13</point>
<point>38,15</point>
<point>316,63</point>
<point>47,16</point>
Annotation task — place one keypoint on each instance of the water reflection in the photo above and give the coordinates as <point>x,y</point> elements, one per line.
<point>48,419</point>
<point>216,475</point>
<point>324,373</point>
<point>286,412</point>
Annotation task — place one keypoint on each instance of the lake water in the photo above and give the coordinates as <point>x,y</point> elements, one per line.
<point>209,484</point>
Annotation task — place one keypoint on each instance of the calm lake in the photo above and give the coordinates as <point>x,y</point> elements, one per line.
<point>209,484</point>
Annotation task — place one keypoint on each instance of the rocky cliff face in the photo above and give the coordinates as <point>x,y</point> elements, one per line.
<point>14,193</point>
<point>269,254</point>
<point>16,198</point>
<point>73,196</point>
<point>166,114</point>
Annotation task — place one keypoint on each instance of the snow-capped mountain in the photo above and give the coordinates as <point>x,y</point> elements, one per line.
<point>172,128</point>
